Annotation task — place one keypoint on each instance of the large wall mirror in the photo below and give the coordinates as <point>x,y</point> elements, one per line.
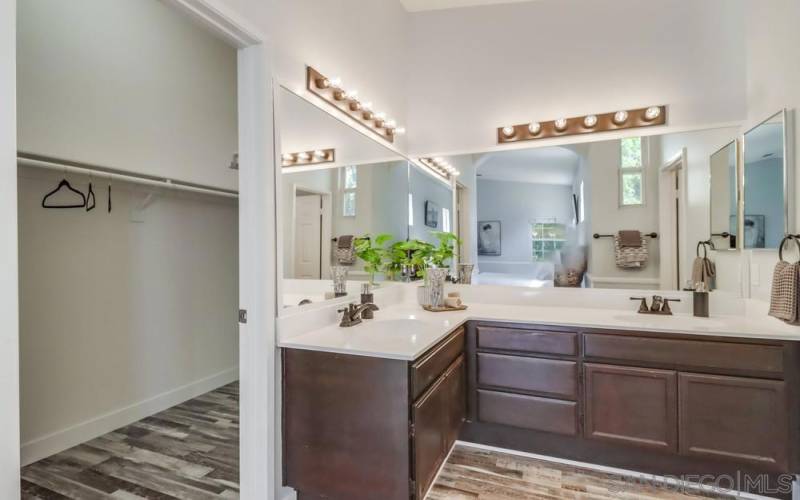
<point>356,189</point>
<point>724,197</point>
<point>766,187</point>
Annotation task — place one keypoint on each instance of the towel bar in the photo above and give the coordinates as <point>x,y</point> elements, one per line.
<point>596,235</point>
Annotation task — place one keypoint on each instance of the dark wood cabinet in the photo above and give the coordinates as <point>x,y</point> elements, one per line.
<point>632,406</point>
<point>436,418</point>
<point>361,428</point>
<point>734,418</point>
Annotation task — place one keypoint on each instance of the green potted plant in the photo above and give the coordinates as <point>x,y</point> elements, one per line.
<point>372,252</point>
<point>442,255</point>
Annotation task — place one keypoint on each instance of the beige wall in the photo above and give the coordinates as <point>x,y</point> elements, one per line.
<point>115,312</point>
<point>131,84</point>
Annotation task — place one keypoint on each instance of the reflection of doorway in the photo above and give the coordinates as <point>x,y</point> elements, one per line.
<point>462,223</point>
<point>311,234</point>
<point>672,203</point>
<point>308,236</point>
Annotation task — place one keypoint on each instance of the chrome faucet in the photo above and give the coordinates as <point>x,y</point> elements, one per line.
<point>352,313</point>
<point>660,305</point>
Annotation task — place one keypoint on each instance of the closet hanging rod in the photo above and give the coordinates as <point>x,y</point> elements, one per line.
<point>35,160</point>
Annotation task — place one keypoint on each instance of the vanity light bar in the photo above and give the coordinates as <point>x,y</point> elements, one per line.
<point>305,158</point>
<point>441,167</point>
<point>588,124</point>
<point>331,91</point>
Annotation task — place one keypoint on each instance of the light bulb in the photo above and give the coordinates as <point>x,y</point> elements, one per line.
<point>303,156</point>
<point>509,131</point>
<point>534,128</point>
<point>287,157</point>
<point>652,113</point>
<point>590,121</point>
<point>456,173</point>
<point>380,116</point>
<point>391,124</point>
<point>438,160</point>
<point>367,106</point>
<point>351,94</point>
<point>561,124</point>
<point>321,154</point>
<point>620,117</point>
<point>335,82</point>
<point>400,130</point>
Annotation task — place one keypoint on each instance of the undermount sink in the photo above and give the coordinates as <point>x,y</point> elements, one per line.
<point>402,326</point>
<point>670,321</point>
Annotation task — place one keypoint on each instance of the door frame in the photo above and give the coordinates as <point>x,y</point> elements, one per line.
<point>327,228</point>
<point>258,446</point>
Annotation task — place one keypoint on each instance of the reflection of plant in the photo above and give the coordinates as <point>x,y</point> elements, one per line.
<point>372,252</point>
<point>415,256</point>
<point>446,249</point>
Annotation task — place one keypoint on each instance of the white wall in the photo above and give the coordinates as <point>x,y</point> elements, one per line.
<point>465,164</point>
<point>608,217</point>
<point>773,82</point>
<point>475,69</point>
<point>9,328</point>
<point>370,54</point>
<point>516,205</point>
<point>129,84</point>
<point>114,313</point>
<point>425,187</point>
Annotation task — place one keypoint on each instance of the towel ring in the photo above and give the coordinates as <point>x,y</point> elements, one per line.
<point>705,244</point>
<point>783,241</point>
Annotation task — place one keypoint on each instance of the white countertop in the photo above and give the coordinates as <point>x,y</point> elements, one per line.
<point>404,331</point>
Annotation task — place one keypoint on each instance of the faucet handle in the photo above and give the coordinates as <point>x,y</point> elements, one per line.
<point>665,308</point>
<point>643,305</point>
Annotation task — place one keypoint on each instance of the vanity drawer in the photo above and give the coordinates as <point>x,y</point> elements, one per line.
<point>764,360</point>
<point>535,341</point>
<point>548,377</point>
<point>528,412</point>
<point>433,363</point>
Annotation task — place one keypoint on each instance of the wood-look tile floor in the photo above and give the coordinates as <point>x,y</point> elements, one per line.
<point>190,451</point>
<point>474,473</point>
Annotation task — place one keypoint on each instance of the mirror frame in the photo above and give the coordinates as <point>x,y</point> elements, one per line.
<point>739,198</point>
<point>788,177</point>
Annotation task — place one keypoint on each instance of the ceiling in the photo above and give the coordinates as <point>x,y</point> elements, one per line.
<point>552,165</point>
<point>422,5</point>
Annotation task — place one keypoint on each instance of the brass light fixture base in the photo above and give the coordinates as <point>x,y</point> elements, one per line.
<point>588,124</point>
<point>324,88</point>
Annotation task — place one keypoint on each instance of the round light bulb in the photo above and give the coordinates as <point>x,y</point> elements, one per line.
<point>590,121</point>
<point>287,157</point>
<point>456,173</point>
<point>561,124</point>
<point>400,130</point>
<point>367,106</point>
<point>303,156</point>
<point>335,82</point>
<point>652,113</point>
<point>321,154</point>
<point>351,94</point>
<point>620,117</point>
<point>391,124</point>
<point>534,128</point>
<point>509,131</point>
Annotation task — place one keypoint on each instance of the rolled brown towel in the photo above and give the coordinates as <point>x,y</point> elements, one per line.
<point>630,239</point>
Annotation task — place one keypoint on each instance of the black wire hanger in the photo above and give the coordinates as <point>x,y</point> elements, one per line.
<point>64,184</point>
<point>91,201</point>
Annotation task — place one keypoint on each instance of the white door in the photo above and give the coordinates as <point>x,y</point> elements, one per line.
<point>308,237</point>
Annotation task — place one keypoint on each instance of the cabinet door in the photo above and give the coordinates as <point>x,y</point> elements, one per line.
<point>632,406</point>
<point>734,418</point>
<point>430,435</point>
<point>456,400</point>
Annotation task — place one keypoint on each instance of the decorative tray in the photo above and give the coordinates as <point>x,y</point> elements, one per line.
<point>444,308</point>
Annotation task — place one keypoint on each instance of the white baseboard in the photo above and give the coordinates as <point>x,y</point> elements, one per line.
<point>45,446</point>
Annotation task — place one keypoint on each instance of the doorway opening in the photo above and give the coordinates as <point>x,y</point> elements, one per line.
<point>129,261</point>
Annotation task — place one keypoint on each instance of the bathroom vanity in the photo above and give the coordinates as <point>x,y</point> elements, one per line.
<point>365,426</point>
